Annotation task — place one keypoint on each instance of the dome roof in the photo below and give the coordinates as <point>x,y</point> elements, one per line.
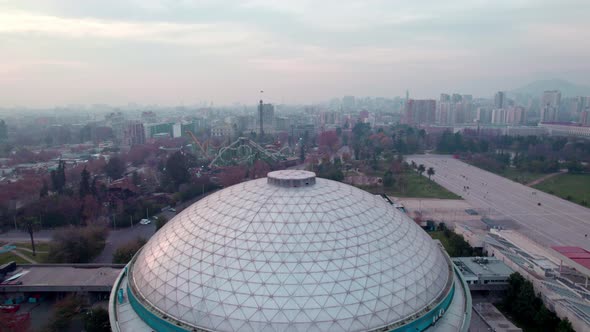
<point>291,253</point>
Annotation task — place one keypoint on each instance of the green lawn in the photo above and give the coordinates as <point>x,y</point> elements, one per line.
<point>438,235</point>
<point>39,246</point>
<point>420,186</point>
<point>573,187</point>
<point>523,177</point>
<point>417,186</point>
<point>39,258</point>
<point>9,257</point>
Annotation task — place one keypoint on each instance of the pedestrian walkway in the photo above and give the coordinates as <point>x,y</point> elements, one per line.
<point>543,178</point>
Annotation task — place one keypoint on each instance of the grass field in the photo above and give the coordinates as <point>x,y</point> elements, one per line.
<point>41,257</point>
<point>420,186</point>
<point>523,177</point>
<point>9,257</point>
<point>417,186</point>
<point>39,246</point>
<point>573,187</point>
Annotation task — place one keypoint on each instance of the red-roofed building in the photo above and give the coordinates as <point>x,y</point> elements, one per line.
<point>577,255</point>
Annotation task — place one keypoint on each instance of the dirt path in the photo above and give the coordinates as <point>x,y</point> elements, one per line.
<point>543,178</point>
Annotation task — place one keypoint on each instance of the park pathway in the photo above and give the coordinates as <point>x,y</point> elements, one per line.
<point>543,178</point>
<point>16,252</point>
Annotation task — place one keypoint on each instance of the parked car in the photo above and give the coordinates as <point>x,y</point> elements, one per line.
<point>145,221</point>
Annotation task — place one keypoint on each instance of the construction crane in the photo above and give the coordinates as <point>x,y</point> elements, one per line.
<point>204,148</point>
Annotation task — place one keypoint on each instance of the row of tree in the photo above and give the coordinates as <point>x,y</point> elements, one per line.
<point>455,244</point>
<point>527,309</point>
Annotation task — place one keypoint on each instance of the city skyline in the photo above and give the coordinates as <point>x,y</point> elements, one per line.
<point>174,53</point>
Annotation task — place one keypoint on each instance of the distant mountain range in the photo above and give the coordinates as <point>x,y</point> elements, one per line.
<point>568,89</point>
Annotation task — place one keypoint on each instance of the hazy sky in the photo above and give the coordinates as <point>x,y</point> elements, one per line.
<point>182,52</point>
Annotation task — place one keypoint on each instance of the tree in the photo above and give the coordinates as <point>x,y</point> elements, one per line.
<point>58,177</point>
<point>421,169</point>
<point>136,179</point>
<point>3,130</point>
<point>160,222</point>
<point>388,180</point>
<point>575,167</point>
<point>565,326</point>
<point>125,253</point>
<point>177,169</point>
<point>301,152</point>
<point>77,245</point>
<point>430,172</point>
<point>259,169</point>
<point>93,188</point>
<point>44,190</point>
<point>232,175</point>
<point>84,183</point>
<point>65,310</point>
<point>97,320</point>
<point>328,140</point>
<point>360,136</point>
<point>31,225</point>
<point>115,168</point>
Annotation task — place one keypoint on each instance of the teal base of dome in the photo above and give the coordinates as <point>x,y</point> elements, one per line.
<point>430,318</point>
<point>420,324</point>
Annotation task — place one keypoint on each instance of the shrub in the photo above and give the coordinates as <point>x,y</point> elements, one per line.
<point>65,310</point>
<point>97,320</point>
<point>125,253</point>
<point>77,245</point>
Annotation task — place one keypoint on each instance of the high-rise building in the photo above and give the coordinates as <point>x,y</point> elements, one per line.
<point>444,97</point>
<point>420,111</point>
<point>134,133</point>
<point>266,117</point>
<point>348,103</point>
<point>550,103</point>
<point>483,115</point>
<point>455,98</point>
<point>159,129</point>
<point>585,118</point>
<point>500,99</point>
<point>499,116</point>
<point>444,112</point>
<point>149,117</point>
<point>515,115</point>
<point>116,120</point>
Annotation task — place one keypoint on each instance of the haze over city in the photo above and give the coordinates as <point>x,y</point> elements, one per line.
<point>58,52</point>
<point>260,165</point>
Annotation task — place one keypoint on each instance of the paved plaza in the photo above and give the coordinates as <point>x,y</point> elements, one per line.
<point>546,219</point>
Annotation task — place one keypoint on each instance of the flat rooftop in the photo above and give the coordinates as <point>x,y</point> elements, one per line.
<point>482,266</point>
<point>58,277</point>
<point>576,254</point>
<point>494,318</point>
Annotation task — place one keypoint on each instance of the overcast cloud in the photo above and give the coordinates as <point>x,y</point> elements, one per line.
<point>223,51</point>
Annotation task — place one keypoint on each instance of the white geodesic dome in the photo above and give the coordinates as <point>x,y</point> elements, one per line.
<point>290,253</point>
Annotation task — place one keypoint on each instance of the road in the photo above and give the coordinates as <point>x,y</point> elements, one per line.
<point>544,218</point>
<point>44,235</point>
<point>120,237</point>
